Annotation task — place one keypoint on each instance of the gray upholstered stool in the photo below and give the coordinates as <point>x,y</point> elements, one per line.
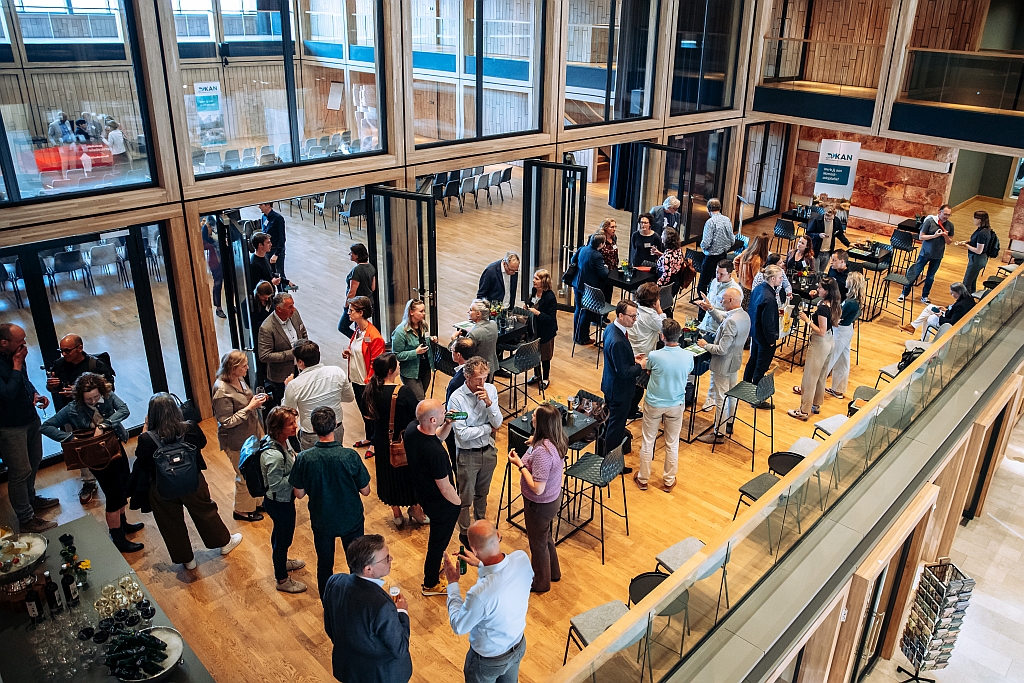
<point>829,425</point>
<point>804,446</point>
<point>585,628</point>
<point>675,557</point>
<point>755,488</point>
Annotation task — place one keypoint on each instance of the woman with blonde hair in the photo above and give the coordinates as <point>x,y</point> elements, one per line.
<point>751,261</point>
<point>610,248</point>
<point>237,411</point>
<point>544,307</point>
<point>842,334</point>
<point>410,343</point>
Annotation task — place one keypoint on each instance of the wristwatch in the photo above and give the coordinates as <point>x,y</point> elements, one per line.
<point>522,467</point>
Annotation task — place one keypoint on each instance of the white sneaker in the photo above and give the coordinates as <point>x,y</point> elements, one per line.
<point>232,544</point>
<point>191,564</point>
<point>899,299</point>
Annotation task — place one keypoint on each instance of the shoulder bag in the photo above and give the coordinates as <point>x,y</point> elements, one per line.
<point>396,448</point>
<point>83,450</point>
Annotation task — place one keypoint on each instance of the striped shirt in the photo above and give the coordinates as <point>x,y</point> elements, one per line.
<point>718,236</point>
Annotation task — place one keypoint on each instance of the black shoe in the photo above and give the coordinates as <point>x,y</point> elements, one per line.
<point>533,380</point>
<point>87,493</point>
<point>728,427</point>
<point>502,373</point>
<point>40,503</point>
<point>129,528</point>
<point>765,405</point>
<point>247,517</point>
<point>638,415</point>
<point>464,540</point>
<point>221,313</point>
<point>122,543</point>
<point>627,470</point>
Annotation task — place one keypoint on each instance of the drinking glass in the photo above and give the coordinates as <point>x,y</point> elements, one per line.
<point>395,590</point>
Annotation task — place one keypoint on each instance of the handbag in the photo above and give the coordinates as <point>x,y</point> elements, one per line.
<point>396,448</point>
<point>83,450</point>
<point>189,410</point>
<point>569,277</point>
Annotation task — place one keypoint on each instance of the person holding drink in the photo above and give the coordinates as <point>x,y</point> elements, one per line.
<point>542,467</point>
<point>410,344</point>
<point>236,408</point>
<point>544,307</point>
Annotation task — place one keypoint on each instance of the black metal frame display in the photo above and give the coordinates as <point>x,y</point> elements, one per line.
<point>640,162</point>
<point>933,626</point>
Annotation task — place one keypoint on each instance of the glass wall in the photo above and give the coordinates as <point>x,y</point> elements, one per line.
<point>764,157</point>
<point>703,176</point>
<point>257,95</point>
<point>449,71</point>
<point>71,113</point>
<point>610,51</point>
<point>706,54</point>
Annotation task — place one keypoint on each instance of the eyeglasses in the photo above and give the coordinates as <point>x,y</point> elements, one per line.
<point>65,352</point>
<point>630,315</point>
<point>387,559</point>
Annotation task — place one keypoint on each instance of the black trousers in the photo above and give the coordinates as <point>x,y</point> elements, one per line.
<point>325,544</point>
<point>443,519</point>
<point>758,362</point>
<point>283,515</point>
<point>279,267</point>
<point>359,390</point>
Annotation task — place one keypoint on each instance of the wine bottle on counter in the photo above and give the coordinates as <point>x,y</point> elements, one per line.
<point>67,582</point>
<point>34,606</point>
<point>52,599</point>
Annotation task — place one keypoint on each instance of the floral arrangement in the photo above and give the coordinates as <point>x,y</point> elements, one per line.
<point>80,568</point>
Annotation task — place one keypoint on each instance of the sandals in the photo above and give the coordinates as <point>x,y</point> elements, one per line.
<point>798,414</point>
<point>368,454</point>
<point>799,391</point>
<point>361,444</point>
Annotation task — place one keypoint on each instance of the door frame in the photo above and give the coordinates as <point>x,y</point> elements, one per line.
<point>639,169</point>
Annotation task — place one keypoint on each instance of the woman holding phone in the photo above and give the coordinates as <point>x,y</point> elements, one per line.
<point>411,345</point>
<point>236,408</point>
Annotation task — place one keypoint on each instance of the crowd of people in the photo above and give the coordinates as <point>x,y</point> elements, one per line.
<point>434,461</point>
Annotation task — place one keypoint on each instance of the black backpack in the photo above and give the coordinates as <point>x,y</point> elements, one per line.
<point>250,466</point>
<point>993,249</point>
<point>177,468</point>
<point>908,357</point>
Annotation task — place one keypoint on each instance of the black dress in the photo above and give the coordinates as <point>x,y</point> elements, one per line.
<point>394,486</point>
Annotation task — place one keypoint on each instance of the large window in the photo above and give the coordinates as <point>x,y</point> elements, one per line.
<point>259,95</point>
<point>71,113</point>
<point>706,52</point>
<point>764,159</point>
<point>610,50</point>
<point>703,176</point>
<point>449,71</point>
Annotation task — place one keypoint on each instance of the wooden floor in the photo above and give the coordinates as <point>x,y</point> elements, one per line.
<point>243,630</point>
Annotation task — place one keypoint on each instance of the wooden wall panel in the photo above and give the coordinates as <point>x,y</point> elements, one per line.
<point>107,91</point>
<point>588,33</point>
<point>848,31</point>
<point>12,97</point>
<point>949,24</point>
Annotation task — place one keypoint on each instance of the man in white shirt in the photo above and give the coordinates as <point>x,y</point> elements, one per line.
<point>317,385</point>
<point>474,439</point>
<point>493,612</point>
<point>712,301</point>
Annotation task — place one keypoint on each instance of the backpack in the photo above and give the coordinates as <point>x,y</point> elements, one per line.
<point>993,249</point>
<point>250,466</point>
<point>177,468</point>
<point>908,357</point>
<point>101,356</point>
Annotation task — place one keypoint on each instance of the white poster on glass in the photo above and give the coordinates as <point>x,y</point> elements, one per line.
<point>210,114</point>
<point>335,96</point>
<point>837,168</point>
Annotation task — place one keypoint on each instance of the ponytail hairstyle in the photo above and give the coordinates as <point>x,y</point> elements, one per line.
<point>383,365</point>
<point>983,217</point>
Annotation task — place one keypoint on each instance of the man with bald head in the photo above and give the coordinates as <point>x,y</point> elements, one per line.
<point>493,612</point>
<point>430,470</point>
<point>60,382</point>
<point>21,442</point>
<point>726,359</point>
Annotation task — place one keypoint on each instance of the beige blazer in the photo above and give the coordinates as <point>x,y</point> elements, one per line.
<point>274,348</point>
<point>235,422</point>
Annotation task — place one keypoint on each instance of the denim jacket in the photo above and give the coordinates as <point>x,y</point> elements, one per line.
<point>79,416</point>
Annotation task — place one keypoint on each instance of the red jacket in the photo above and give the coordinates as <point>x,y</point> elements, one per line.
<point>373,346</point>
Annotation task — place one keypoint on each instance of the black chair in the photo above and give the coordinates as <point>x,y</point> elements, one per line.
<point>904,250</point>
<point>506,177</point>
<point>576,447</point>
<point>525,359</point>
<point>785,231</point>
<point>443,362</point>
<point>753,395</point>
<point>438,192</point>
<point>900,280</point>
<point>70,262</point>
<point>779,465</point>
<point>593,474</point>
<point>357,209</point>
<point>593,301</point>
<point>12,277</point>
<point>451,189</point>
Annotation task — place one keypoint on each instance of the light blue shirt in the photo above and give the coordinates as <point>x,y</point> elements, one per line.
<point>669,368</point>
<point>494,611</point>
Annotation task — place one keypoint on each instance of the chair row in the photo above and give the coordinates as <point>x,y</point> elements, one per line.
<point>267,156</point>
<point>458,184</point>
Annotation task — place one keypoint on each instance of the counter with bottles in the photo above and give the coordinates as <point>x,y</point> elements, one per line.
<point>60,643</point>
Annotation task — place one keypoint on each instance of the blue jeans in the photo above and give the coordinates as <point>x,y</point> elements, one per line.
<point>975,264</point>
<point>501,669</point>
<point>283,515</point>
<point>914,272</point>
<point>22,451</point>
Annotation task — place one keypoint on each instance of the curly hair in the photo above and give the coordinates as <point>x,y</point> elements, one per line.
<point>90,381</point>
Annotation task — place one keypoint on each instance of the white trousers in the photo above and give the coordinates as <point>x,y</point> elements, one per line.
<point>653,417</point>
<point>925,319</point>
<point>721,383</point>
<point>840,362</point>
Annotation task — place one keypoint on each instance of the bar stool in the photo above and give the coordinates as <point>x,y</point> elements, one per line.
<point>753,395</point>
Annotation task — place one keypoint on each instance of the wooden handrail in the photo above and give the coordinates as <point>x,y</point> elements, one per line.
<point>598,652</point>
<point>967,53</point>
<point>824,42</point>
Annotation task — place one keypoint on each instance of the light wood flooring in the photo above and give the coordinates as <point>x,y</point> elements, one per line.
<point>244,630</point>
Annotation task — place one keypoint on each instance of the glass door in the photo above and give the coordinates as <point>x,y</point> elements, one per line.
<point>764,160</point>
<point>703,176</point>
<point>878,619</point>
<point>402,236</point>
<point>660,172</point>
<point>233,235</point>
<point>554,221</point>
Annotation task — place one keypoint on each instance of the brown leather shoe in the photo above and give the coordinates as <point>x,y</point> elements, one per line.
<point>639,484</point>
<point>667,488</point>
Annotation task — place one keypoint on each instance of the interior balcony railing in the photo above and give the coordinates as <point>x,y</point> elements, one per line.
<point>645,643</point>
<point>847,69</point>
<point>969,79</point>
<point>970,96</point>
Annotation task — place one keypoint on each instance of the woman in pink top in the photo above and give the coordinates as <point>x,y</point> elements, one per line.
<point>542,468</point>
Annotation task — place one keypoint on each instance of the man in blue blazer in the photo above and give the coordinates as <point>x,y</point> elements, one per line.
<point>370,632</point>
<point>499,283</point>
<point>272,223</point>
<point>592,271</point>
<point>621,370</point>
